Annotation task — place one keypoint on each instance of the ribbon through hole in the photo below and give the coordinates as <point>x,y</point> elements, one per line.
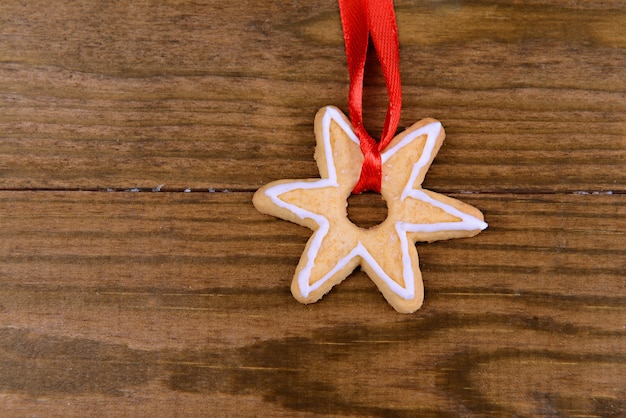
<point>367,210</point>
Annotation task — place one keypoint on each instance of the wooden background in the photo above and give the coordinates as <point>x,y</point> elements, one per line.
<point>137,279</point>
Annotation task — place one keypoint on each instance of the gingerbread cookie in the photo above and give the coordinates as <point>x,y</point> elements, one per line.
<point>386,252</point>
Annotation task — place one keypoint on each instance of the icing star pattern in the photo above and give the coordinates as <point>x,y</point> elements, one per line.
<point>386,252</point>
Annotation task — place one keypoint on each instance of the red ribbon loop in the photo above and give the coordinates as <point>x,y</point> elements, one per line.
<point>360,20</point>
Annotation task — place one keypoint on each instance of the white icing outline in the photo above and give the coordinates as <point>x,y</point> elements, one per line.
<point>407,292</point>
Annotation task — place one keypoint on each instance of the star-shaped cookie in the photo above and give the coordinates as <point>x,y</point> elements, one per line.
<point>386,252</point>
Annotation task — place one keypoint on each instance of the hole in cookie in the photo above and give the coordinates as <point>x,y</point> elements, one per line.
<point>367,210</point>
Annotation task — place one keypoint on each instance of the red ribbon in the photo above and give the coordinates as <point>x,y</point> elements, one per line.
<point>360,20</point>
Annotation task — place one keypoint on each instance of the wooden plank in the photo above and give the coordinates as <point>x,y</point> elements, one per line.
<point>145,302</point>
<point>205,96</point>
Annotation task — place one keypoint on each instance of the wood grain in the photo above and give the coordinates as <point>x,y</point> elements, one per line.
<point>173,96</point>
<point>159,292</point>
<point>136,278</point>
